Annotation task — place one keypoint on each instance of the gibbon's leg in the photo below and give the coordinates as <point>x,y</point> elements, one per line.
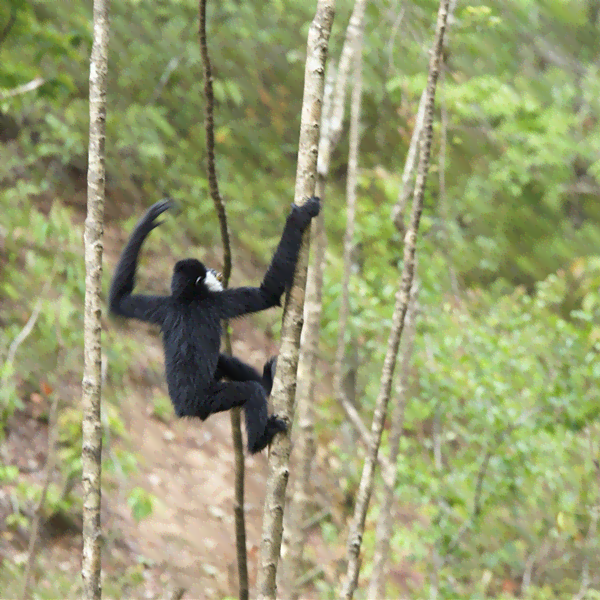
<point>269,374</point>
<point>274,425</point>
<point>236,370</point>
<point>260,428</point>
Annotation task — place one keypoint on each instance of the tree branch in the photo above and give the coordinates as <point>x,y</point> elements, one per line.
<point>30,86</point>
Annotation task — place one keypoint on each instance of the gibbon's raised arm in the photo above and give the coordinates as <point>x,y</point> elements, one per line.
<point>237,302</point>
<point>120,299</point>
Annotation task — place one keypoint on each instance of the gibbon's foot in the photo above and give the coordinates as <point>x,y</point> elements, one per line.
<point>274,425</point>
<point>269,374</point>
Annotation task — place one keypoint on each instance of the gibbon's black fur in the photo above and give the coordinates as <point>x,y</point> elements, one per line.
<point>190,321</point>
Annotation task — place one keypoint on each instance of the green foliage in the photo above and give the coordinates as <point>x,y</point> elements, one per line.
<point>162,408</point>
<point>141,503</point>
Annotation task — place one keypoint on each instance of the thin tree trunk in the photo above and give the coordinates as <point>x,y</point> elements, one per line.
<point>301,492</point>
<point>402,299</point>
<point>351,183</point>
<point>305,390</point>
<point>91,452</point>
<point>383,532</point>
<point>331,127</point>
<point>284,386</point>
<point>234,414</point>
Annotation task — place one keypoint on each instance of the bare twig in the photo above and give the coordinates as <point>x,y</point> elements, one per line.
<point>284,386</point>
<point>164,78</point>
<point>307,364</point>
<point>28,328</point>
<point>443,203</point>
<point>392,40</point>
<point>402,300</point>
<point>50,463</point>
<point>533,558</point>
<point>305,392</point>
<point>332,124</point>
<point>309,576</point>
<point>177,593</point>
<point>481,473</point>
<point>209,125</point>
<point>234,414</point>
<point>91,452</point>
<point>387,467</point>
<point>317,518</point>
<point>30,86</point>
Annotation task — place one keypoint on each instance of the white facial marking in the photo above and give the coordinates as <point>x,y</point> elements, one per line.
<point>211,281</point>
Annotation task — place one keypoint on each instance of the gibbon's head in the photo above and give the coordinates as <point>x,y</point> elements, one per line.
<point>192,279</point>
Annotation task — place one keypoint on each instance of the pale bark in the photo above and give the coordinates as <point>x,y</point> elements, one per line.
<point>284,386</point>
<point>301,496</point>
<point>30,86</point>
<point>307,362</point>
<point>402,299</point>
<point>409,168</point>
<point>351,184</point>
<point>91,452</point>
<point>330,136</point>
<point>331,128</point>
<point>234,414</point>
<point>384,529</point>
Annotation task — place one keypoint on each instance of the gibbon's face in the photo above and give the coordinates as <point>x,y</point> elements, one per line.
<point>213,280</point>
<point>191,277</point>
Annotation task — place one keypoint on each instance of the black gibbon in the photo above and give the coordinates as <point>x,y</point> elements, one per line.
<point>190,321</point>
